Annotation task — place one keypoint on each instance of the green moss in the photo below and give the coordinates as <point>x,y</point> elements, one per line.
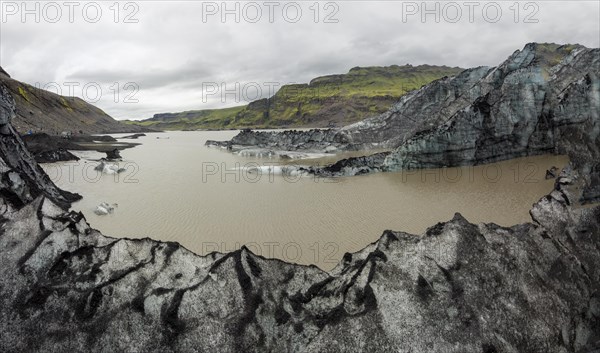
<point>24,94</point>
<point>66,104</point>
<point>550,54</point>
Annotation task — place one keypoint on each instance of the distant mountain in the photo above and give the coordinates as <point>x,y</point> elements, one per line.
<point>326,100</point>
<point>39,110</point>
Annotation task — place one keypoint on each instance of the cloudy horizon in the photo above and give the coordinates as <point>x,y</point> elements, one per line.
<point>151,57</point>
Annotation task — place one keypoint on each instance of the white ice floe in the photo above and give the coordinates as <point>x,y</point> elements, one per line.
<point>271,170</point>
<point>109,168</point>
<point>267,153</point>
<point>256,152</point>
<point>104,208</point>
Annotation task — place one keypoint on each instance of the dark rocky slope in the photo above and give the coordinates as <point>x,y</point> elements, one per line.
<point>21,178</point>
<point>459,287</point>
<point>522,107</point>
<point>39,110</point>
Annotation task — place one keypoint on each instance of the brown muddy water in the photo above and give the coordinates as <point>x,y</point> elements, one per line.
<point>176,189</point>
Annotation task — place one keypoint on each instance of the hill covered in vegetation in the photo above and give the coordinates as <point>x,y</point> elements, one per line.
<point>325,101</point>
<point>42,111</point>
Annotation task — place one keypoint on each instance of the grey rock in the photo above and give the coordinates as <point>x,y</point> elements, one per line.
<point>523,107</point>
<point>47,148</point>
<point>59,155</point>
<point>551,173</point>
<point>2,72</point>
<point>7,110</point>
<point>113,154</point>
<point>21,178</point>
<point>352,166</point>
<point>314,140</point>
<point>50,149</point>
<point>133,137</point>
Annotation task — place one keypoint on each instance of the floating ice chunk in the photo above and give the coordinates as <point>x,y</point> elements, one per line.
<point>109,168</point>
<point>104,208</point>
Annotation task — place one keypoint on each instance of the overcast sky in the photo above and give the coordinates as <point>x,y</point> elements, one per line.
<point>182,54</point>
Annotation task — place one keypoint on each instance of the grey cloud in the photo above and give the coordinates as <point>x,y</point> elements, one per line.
<point>171,52</point>
<point>186,76</point>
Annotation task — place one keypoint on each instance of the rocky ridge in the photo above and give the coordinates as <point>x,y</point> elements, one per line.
<point>522,107</point>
